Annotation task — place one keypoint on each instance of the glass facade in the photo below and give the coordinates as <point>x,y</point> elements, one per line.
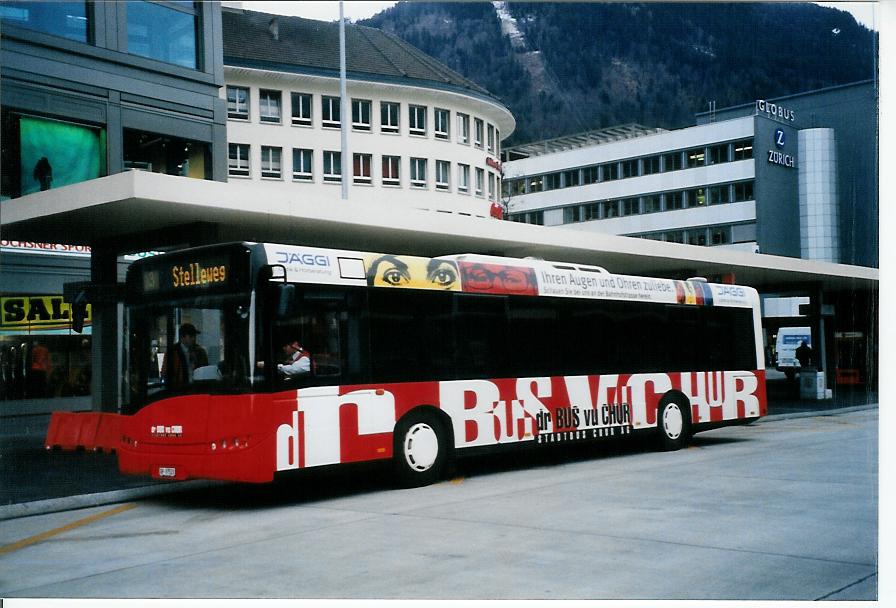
<point>65,19</point>
<point>164,32</point>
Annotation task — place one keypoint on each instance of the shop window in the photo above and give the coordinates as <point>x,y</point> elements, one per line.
<point>165,154</point>
<point>40,153</point>
<point>39,364</point>
<point>697,237</point>
<point>163,32</point>
<point>66,19</point>
<point>301,109</point>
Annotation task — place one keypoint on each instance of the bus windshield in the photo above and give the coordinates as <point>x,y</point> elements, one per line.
<point>187,345</point>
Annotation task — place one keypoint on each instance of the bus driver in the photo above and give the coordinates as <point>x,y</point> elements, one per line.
<point>298,360</point>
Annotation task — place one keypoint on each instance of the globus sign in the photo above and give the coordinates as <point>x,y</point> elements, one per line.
<point>774,110</point>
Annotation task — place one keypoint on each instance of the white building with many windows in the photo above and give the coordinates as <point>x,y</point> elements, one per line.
<point>793,176</point>
<point>420,135</point>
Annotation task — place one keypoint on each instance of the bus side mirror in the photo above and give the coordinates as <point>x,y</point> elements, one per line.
<point>286,300</point>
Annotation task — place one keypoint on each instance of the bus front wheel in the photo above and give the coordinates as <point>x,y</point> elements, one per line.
<point>420,450</point>
<point>673,421</point>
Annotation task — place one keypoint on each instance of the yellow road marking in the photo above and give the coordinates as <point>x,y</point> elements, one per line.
<point>31,540</point>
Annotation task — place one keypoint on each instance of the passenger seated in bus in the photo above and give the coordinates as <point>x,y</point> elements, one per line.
<point>184,358</point>
<point>298,360</point>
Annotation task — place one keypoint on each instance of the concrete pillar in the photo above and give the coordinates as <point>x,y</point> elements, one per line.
<point>106,352</point>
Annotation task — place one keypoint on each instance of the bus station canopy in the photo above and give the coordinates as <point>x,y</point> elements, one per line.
<point>141,211</point>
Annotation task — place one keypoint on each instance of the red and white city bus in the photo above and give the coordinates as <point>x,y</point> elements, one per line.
<point>414,360</point>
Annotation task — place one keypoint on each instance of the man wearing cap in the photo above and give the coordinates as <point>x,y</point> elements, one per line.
<point>183,358</point>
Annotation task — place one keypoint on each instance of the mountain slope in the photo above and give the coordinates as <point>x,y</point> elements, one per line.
<point>568,67</point>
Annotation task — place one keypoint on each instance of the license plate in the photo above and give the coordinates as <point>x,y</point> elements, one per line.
<point>166,472</point>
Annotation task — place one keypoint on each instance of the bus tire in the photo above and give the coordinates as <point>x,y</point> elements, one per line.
<point>674,423</point>
<point>420,451</point>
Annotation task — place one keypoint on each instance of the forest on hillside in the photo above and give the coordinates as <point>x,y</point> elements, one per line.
<point>569,67</point>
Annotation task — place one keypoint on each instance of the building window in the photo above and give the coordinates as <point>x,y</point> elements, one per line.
<point>332,166</point>
<point>389,113</point>
<point>720,235</point>
<point>743,191</point>
<point>391,170</point>
<point>571,215</point>
<point>491,138</point>
<point>330,111</point>
<point>443,175</point>
<point>478,132</point>
<point>238,160</point>
<point>672,161</point>
<point>238,103</point>
<point>743,150</point>
<point>463,178</point>
<point>417,120</point>
<point>630,168</point>
<point>697,236</point>
<point>302,163</point>
<point>590,175</point>
<point>270,161</point>
<point>463,129</point>
<point>697,197</point>
<point>301,109</point>
<point>591,211</point>
<point>418,172</point>
<point>631,206</point>
<point>516,187</point>
<point>674,200</point>
<point>361,114</point>
<point>442,123</point>
<point>609,172</point>
<point>480,181</point>
<point>492,187</point>
<point>676,236</point>
<point>651,165</point>
<point>718,154</point>
<point>536,183</point>
<point>552,181</point>
<point>743,233</point>
<point>571,178</point>
<point>163,32</point>
<point>610,209</point>
<point>66,19</point>
<point>361,168</point>
<point>719,195</point>
<point>696,158</point>
<point>497,142</point>
<point>269,106</point>
<point>652,203</point>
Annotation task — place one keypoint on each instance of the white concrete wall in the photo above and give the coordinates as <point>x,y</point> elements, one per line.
<point>373,142</point>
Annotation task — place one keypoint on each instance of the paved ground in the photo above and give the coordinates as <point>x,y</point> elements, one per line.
<point>784,509</point>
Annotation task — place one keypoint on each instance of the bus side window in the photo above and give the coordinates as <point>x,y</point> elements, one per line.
<point>481,336</point>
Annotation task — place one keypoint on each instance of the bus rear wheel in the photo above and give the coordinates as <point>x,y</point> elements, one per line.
<point>674,423</point>
<point>420,450</point>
